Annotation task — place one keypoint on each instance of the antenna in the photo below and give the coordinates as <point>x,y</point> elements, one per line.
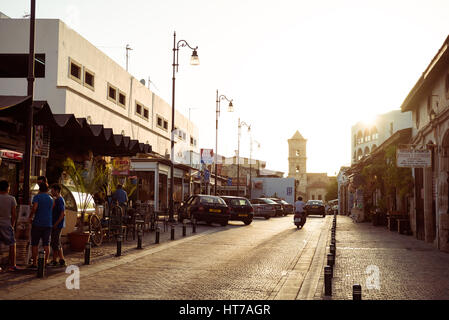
<point>127,49</point>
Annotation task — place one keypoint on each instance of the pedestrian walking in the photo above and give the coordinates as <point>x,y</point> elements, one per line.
<point>58,220</point>
<point>7,222</point>
<point>120,195</point>
<point>41,219</point>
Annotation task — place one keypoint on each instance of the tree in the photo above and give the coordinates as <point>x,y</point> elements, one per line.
<point>332,190</point>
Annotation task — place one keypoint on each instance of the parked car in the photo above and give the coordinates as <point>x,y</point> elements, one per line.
<point>264,207</point>
<point>241,209</point>
<point>315,207</point>
<point>278,206</point>
<point>286,207</point>
<point>205,208</point>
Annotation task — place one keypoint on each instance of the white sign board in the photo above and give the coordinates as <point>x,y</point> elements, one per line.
<point>409,158</point>
<point>207,156</point>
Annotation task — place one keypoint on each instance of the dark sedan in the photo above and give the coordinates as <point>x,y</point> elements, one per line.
<point>315,207</point>
<point>286,207</point>
<point>268,202</point>
<point>241,209</point>
<point>205,208</point>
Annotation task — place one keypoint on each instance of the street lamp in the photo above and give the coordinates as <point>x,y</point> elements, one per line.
<point>217,111</point>
<point>193,61</point>
<point>241,123</point>
<point>250,162</point>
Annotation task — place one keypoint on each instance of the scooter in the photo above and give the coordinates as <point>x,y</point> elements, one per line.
<point>299,219</point>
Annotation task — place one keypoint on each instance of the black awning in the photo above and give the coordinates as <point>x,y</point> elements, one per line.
<point>68,131</point>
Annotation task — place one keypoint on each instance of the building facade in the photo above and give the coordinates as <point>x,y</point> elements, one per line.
<point>297,162</point>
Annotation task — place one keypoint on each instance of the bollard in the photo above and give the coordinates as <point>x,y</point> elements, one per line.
<point>184,230</point>
<point>356,292</point>
<point>332,249</point>
<point>139,239</point>
<point>119,246</point>
<point>87,253</point>
<point>193,225</point>
<point>330,259</point>
<point>172,232</point>
<point>158,231</point>
<point>41,265</point>
<point>327,281</point>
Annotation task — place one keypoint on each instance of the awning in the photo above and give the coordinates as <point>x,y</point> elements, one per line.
<point>9,154</point>
<point>68,131</point>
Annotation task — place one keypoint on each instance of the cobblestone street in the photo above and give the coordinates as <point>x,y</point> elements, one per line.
<point>409,269</point>
<point>268,259</point>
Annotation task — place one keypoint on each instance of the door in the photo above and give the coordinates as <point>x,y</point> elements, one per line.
<point>419,193</point>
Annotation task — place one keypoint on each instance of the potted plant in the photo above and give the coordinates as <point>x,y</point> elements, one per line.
<point>87,180</point>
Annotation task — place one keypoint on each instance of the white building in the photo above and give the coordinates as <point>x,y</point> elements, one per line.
<point>77,78</point>
<point>366,137</point>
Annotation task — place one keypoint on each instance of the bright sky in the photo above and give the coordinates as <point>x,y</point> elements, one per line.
<point>314,66</point>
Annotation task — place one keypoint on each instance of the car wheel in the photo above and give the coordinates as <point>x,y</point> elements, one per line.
<point>224,223</point>
<point>267,217</point>
<point>247,222</point>
<point>324,216</point>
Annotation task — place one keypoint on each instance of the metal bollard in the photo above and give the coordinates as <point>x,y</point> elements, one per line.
<point>139,239</point>
<point>119,246</point>
<point>332,249</point>
<point>184,229</point>
<point>158,231</point>
<point>87,253</point>
<point>193,225</point>
<point>356,292</point>
<point>172,237</point>
<point>327,281</point>
<point>41,265</point>
<point>330,259</point>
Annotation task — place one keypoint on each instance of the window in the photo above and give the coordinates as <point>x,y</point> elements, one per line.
<point>319,197</point>
<point>112,93</point>
<point>159,121</point>
<point>162,123</point>
<point>75,70</point>
<point>165,124</point>
<point>15,65</point>
<point>146,113</point>
<point>139,109</point>
<point>297,169</point>
<point>313,197</point>
<point>89,79</point>
<point>297,153</point>
<point>191,141</point>
<point>122,99</point>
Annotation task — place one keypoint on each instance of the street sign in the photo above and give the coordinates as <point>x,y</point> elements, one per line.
<point>206,175</point>
<point>229,181</point>
<point>207,156</point>
<point>411,158</point>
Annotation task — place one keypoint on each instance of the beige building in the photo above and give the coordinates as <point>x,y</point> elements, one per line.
<point>297,162</point>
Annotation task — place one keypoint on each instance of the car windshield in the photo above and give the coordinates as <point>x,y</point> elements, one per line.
<point>314,203</point>
<point>238,202</point>
<point>211,200</point>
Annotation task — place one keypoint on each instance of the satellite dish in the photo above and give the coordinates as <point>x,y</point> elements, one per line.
<point>142,81</point>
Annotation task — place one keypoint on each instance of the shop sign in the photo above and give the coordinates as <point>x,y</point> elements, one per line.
<point>121,166</point>
<point>41,142</point>
<point>8,154</point>
<point>411,158</point>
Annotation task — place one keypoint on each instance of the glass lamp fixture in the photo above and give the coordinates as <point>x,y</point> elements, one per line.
<point>194,60</point>
<point>230,107</point>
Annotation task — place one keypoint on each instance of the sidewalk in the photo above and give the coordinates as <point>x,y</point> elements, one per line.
<point>104,254</point>
<point>409,269</point>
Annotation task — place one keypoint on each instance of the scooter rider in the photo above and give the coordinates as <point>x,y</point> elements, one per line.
<point>299,208</point>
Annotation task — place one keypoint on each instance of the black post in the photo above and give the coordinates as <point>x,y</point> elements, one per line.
<point>184,229</point>
<point>330,259</point>
<point>172,232</point>
<point>158,231</point>
<point>170,192</point>
<point>332,249</point>
<point>193,225</point>
<point>327,281</point>
<point>41,265</point>
<point>139,239</point>
<point>119,246</point>
<point>87,253</point>
<point>28,156</point>
<point>356,292</point>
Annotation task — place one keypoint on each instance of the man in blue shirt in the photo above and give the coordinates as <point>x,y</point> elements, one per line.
<point>120,195</point>
<point>41,219</point>
<point>58,224</point>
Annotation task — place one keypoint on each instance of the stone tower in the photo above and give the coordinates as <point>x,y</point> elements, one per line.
<point>297,159</point>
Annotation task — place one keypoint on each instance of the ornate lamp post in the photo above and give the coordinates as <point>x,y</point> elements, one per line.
<point>217,111</point>
<point>241,123</point>
<point>193,61</point>
<point>250,162</point>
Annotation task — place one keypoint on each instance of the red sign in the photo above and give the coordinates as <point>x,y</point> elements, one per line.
<point>121,166</point>
<point>8,154</point>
